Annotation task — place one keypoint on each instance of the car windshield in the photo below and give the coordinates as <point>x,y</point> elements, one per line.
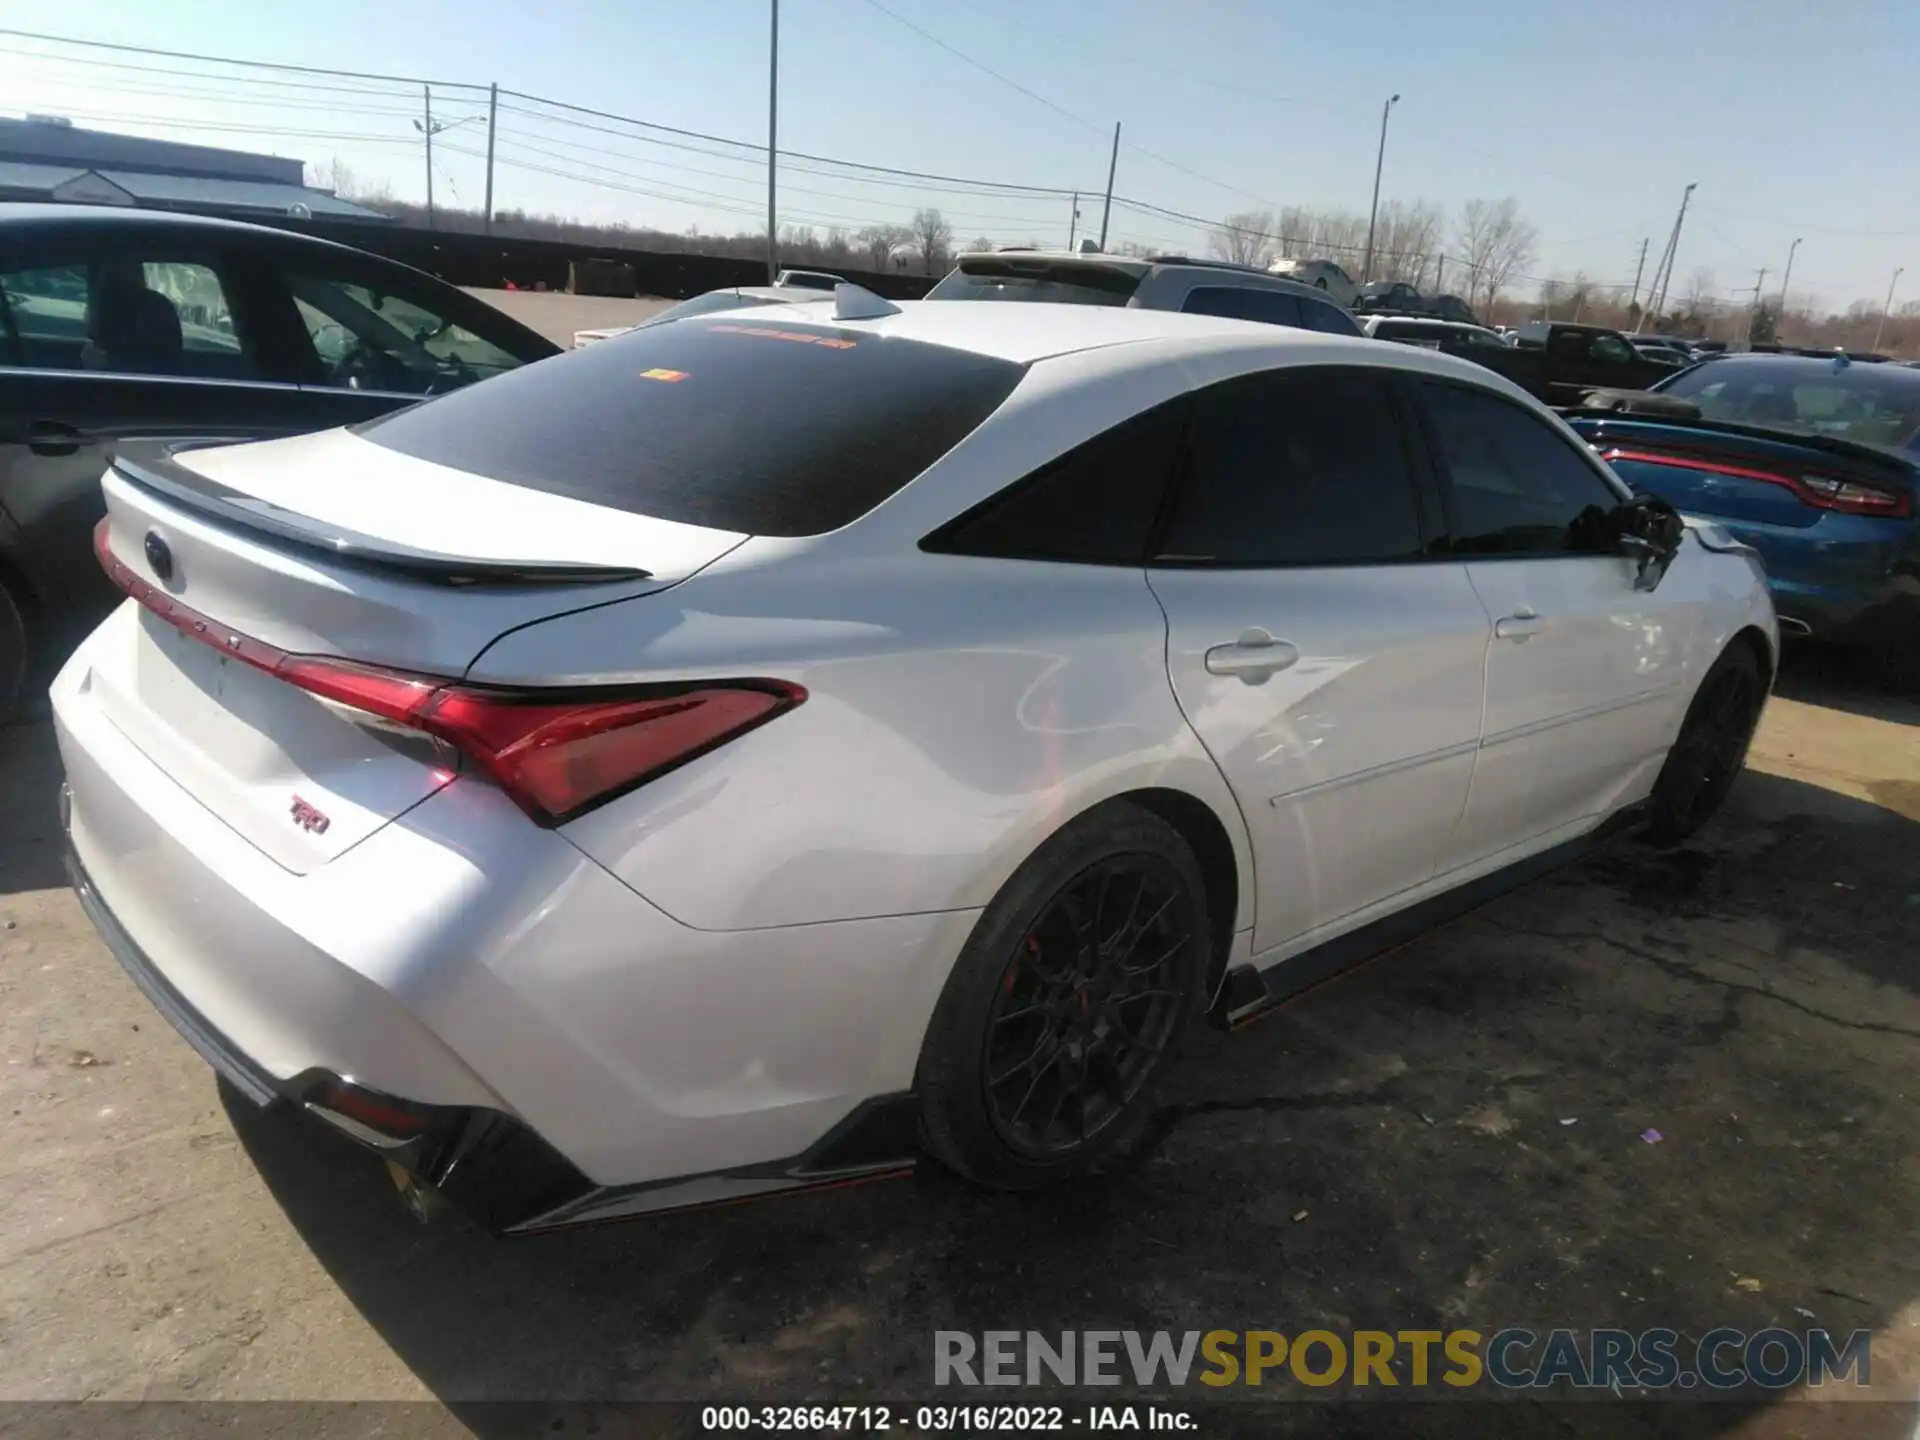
<point>1056,284</point>
<point>1868,404</point>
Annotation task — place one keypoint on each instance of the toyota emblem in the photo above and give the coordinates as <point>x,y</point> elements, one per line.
<point>159,556</point>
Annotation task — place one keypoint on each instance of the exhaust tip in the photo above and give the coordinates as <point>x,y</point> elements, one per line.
<point>1790,626</point>
<point>423,1202</point>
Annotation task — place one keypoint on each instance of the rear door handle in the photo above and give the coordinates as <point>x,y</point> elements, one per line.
<point>1518,626</point>
<point>52,437</point>
<point>1253,657</point>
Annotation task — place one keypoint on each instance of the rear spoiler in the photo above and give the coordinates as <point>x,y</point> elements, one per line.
<point>1658,413</point>
<point>151,467</point>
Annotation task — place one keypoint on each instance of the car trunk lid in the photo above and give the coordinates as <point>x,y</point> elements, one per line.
<point>1744,473</point>
<point>328,545</point>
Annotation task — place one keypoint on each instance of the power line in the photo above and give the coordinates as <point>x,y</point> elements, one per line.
<point>88,63</point>
<point>223,60</point>
<point>786,156</point>
<point>986,69</point>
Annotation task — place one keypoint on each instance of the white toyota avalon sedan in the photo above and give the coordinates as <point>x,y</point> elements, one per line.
<point>750,752</point>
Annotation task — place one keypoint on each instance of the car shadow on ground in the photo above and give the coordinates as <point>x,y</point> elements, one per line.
<point>30,840</point>
<point>1659,1088</point>
<point>1843,679</point>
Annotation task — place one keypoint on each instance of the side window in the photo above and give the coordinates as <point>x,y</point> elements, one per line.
<point>45,316</point>
<point>1612,350</point>
<point>1518,486</point>
<point>1328,319</point>
<point>1095,505</point>
<point>1235,302</point>
<point>1296,468</point>
<point>123,315</point>
<point>371,339</point>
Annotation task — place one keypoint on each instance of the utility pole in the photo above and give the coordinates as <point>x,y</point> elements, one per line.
<point>1784,279</point>
<point>1379,161</point>
<point>1634,298</point>
<point>493,118</point>
<point>427,130</point>
<point>1753,311</point>
<point>773,118</point>
<point>1673,246</point>
<point>1881,329</point>
<point>1440,277</point>
<point>1113,164</point>
<point>1073,225</point>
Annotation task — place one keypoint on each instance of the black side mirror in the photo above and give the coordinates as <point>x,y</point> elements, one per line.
<point>1645,529</point>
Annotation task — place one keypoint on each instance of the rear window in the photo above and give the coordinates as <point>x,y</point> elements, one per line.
<point>1054,284</point>
<point>737,422</point>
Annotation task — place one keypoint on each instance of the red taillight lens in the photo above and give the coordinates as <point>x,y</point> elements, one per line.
<point>557,756</point>
<point>1823,492</point>
<point>557,759</point>
<point>1854,498</point>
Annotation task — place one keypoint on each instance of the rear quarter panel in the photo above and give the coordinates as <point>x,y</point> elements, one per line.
<point>959,711</point>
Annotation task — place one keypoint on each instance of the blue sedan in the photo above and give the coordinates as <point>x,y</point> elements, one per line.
<point>1813,462</point>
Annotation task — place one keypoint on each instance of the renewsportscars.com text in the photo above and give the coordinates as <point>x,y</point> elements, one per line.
<point>1510,1358</point>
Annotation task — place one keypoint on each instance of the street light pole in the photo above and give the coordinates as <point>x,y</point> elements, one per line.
<point>773,119</point>
<point>1373,215</point>
<point>1881,329</point>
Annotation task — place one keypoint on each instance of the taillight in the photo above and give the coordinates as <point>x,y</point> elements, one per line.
<point>1823,492</point>
<point>1854,498</point>
<point>557,754</point>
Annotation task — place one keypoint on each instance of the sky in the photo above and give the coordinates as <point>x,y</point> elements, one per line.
<point>1794,120</point>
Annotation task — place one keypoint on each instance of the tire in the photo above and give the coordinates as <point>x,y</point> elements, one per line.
<point>1711,747</point>
<point>1099,1025</point>
<point>13,651</point>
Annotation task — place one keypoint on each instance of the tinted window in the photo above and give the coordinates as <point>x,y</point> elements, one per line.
<point>1096,504</point>
<point>1270,307</point>
<point>1295,469</point>
<point>1329,319</point>
<point>1518,485</point>
<point>1868,403</point>
<point>123,315</point>
<point>1062,284</point>
<point>368,339</point>
<point>741,423</point>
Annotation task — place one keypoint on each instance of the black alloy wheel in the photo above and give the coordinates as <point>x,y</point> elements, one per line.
<point>1711,749</point>
<point>1067,1004</point>
<point>1090,1000</point>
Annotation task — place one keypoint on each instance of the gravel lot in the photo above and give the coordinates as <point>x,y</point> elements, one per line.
<point>1388,1151</point>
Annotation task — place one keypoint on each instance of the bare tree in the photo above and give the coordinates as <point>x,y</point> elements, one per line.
<point>1407,240</point>
<point>1244,239</point>
<point>933,236</point>
<point>877,242</point>
<point>980,242</point>
<point>1699,297</point>
<point>1495,241</point>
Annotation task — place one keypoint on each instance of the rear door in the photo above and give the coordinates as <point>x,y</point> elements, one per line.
<point>111,335</point>
<point>1327,657</point>
<point>1583,669</point>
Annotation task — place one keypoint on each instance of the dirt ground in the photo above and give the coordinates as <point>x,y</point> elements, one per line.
<point>1389,1151</point>
<point>557,316</point>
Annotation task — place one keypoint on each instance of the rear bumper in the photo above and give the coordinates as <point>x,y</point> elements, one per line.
<point>1846,578</point>
<point>573,1048</point>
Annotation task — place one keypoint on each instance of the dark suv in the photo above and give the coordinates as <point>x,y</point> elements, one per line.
<point>1159,282</point>
<point>117,324</point>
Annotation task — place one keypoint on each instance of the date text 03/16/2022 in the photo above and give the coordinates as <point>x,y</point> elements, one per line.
<point>944,1419</point>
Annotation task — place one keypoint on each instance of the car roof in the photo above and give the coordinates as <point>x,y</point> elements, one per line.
<point>1027,332</point>
<point>27,216</point>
